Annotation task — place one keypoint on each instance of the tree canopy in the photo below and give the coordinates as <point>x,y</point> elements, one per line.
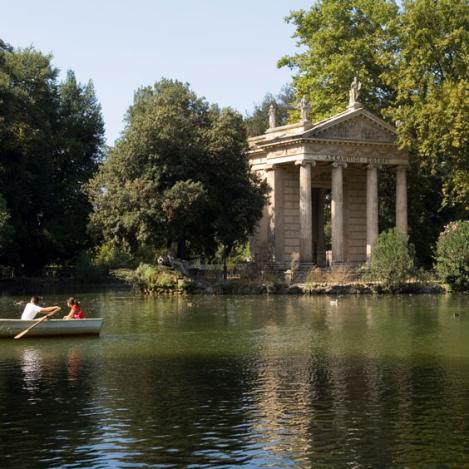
<point>432,91</point>
<point>51,137</point>
<point>5,227</point>
<point>412,62</point>
<point>178,174</point>
<point>341,39</point>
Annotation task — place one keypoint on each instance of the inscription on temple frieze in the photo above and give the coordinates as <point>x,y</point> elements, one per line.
<point>354,159</point>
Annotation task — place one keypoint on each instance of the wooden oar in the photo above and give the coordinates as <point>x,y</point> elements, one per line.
<point>21,334</point>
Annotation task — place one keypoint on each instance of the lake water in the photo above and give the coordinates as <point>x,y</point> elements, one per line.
<point>242,381</point>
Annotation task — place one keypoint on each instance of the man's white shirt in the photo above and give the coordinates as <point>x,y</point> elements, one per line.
<point>30,311</point>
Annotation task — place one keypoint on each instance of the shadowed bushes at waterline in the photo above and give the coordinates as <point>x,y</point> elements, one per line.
<point>96,265</point>
<point>159,279</point>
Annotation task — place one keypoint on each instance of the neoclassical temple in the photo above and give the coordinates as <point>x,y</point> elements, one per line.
<point>339,158</point>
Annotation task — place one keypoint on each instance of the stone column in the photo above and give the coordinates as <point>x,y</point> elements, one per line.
<point>314,219</point>
<point>321,254</point>
<point>306,211</point>
<point>337,212</point>
<point>318,226</point>
<point>401,199</point>
<point>275,212</point>
<point>262,246</point>
<point>371,208</point>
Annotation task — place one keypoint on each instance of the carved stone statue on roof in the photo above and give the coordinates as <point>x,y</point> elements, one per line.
<point>354,92</point>
<point>272,117</point>
<point>304,108</point>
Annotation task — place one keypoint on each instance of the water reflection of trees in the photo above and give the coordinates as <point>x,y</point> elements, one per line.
<point>44,395</point>
<point>179,410</point>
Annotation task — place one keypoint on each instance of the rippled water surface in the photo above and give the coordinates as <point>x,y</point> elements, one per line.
<point>253,381</point>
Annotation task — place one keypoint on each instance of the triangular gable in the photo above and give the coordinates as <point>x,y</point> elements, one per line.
<point>357,124</point>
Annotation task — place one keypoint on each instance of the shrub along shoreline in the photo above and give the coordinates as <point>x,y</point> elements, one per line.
<point>233,287</point>
<point>157,280</point>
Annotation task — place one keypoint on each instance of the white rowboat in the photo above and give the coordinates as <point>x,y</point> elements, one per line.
<point>51,327</point>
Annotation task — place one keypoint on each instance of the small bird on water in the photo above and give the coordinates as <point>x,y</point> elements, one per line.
<point>334,302</point>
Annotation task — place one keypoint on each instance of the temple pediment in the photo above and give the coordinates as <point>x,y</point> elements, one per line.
<point>359,125</point>
<point>355,136</point>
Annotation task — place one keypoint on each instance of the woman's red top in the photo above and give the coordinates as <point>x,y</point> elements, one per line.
<point>78,313</point>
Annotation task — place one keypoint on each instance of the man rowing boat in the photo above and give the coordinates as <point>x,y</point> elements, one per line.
<point>33,308</point>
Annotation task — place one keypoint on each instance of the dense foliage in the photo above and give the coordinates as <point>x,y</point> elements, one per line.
<point>432,85</point>
<point>51,137</point>
<point>96,263</point>
<point>452,255</point>
<point>179,175</point>
<point>392,259</point>
<point>258,121</point>
<point>154,279</point>
<point>5,227</point>
<point>341,39</point>
<point>412,62</point>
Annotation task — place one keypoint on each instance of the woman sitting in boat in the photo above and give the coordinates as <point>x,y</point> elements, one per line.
<point>33,308</point>
<point>75,311</point>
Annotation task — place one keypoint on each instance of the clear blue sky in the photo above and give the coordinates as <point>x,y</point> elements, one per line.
<point>227,50</point>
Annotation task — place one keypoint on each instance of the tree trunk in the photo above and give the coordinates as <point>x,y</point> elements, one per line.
<point>226,251</point>
<point>225,269</point>
<point>181,250</point>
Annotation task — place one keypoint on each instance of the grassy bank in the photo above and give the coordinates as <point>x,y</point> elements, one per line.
<point>158,280</point>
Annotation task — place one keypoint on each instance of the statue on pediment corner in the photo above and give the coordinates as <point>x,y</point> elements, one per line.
<point>272,117</point>
<point>354,92</point>
<point>304,108</point>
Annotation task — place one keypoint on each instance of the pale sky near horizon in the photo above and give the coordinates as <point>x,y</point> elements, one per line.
<point>226,50</point>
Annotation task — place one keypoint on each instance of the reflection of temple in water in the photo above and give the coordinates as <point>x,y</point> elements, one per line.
<point>331,387</point>
<point>283,394</point>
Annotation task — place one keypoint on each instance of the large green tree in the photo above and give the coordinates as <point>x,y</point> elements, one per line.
<point>77,155</point>
<point>178,174</point>
<point>51,135</point>
<point>341,39</point>
<point>412,62</point>
<point>28,119</point>
<point>432,85</point>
